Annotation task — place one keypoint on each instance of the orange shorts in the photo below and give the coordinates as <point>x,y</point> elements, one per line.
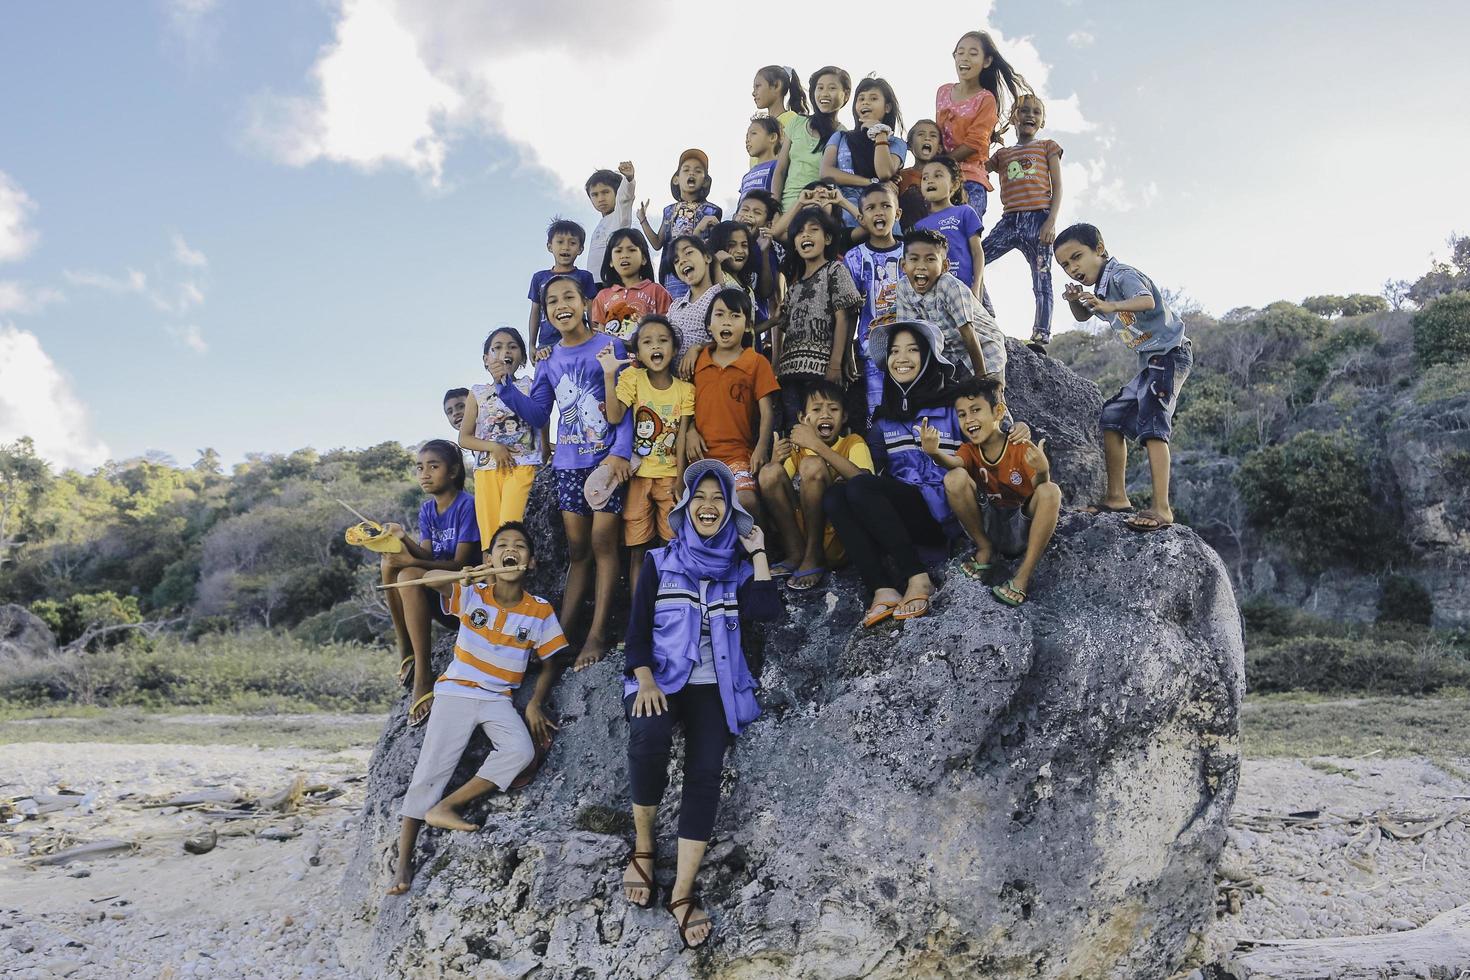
<point>740,467</point>
<point>646,510</point>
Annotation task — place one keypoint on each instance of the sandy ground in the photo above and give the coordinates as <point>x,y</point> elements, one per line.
<point>254,907</point>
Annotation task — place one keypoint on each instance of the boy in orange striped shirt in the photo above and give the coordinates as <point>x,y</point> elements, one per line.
<point>1031,193</point>
<point>501,626</point>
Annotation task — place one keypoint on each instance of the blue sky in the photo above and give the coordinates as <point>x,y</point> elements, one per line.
<point>264,226</point>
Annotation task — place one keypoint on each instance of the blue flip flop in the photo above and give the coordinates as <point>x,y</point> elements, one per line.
<point>819,572</point>
<point>782,569</point>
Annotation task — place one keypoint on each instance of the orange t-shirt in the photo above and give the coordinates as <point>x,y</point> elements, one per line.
<point>1025,175</point>
<point>1008,481</point>
<point>967,123</point>
<point>727,402</point>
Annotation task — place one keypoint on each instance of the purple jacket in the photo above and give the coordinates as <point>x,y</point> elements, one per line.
<point>664,624</point>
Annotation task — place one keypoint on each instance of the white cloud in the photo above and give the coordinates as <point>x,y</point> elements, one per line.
<point>375,103</point>
<point>17,238</point>
<point>190,336</point>
<point>186,256</point>
<point>37,400</point>
<point>132,282</point>
<point>18,297</point>
<point>1087,187</point>
<point>193,23</point>
<point>1081,39</point>
<point>403,79</point>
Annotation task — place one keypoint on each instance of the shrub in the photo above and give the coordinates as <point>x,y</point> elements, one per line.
<point>1404,600</point>
<point>71,617</point>
<point>1442,330</point>
<point>1311,496</point>
<point>1330,665</point>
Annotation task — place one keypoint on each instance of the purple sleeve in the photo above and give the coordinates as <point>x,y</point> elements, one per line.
<point>534,409</point>
<point>589,284</point>
<point>468,526</point>
<point>534,293</point>
<point>638,642</point>
<point>970,222</point>
<point>623,441</point>
<point>426,524</point>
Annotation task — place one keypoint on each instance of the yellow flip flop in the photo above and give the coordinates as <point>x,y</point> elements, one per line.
<point>370,535</point>
<point>415,706</point>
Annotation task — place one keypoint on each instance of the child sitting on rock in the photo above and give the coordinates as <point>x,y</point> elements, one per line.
<point>1134,309</point>
<point>1001,492</point>
<point>973,341</point>
<point>501,628</point>
<point>802,467</point>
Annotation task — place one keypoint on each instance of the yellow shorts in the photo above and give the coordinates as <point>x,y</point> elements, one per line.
<point>650,501</point>
<point>500,496</point>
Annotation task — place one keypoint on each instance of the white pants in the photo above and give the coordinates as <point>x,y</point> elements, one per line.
<point>451,723</point>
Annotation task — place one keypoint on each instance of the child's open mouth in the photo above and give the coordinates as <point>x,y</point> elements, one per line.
<point>806,247</point>
<point>825,430</point>
<point>563,316</point>
<point>973,430</point>
<point>507,560</point>
<point>656,357</point>
<point>724,335</point>
<point>685,271</point>
<point>920,279</point>
<point>880,223</point>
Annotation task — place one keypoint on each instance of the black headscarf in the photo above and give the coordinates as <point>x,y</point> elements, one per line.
<point>930,389</point>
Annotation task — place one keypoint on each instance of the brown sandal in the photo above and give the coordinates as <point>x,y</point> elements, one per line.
<point>692,903</point>
<point>647,877</point>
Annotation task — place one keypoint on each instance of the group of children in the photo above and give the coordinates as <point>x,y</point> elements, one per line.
<point>827,361</point>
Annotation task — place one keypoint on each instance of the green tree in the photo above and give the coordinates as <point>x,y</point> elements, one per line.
<point>24,478</point>
<point>76,617</point>
<point>1445,277</point>
<point>1311,496</point>
<point>1442,330</point>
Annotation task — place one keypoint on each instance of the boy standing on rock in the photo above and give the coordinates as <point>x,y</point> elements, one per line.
<point>500,627</point>
<point>1134,309</point>
<point>1000,491</point>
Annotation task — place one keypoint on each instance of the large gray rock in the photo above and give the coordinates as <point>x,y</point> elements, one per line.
<point>24,635</point>
<point>1039,792</point>
<point>1063,407</point>
<point>1429,449</point>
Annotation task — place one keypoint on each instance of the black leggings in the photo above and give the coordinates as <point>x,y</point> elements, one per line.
<point>877,516</point>
<point>706,737</point>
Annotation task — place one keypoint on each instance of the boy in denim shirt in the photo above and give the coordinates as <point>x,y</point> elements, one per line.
<point>1134,309</point>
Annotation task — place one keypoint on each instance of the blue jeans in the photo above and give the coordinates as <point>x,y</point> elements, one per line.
<point>1022,230</point>
<point>1144,408</point>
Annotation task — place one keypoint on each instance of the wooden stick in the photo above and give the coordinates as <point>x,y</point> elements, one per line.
<point>354,513</point>
<point>479,571</point>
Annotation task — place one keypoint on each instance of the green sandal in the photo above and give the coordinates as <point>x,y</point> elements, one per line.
<point>975,569</point>
<point>1000,592</point>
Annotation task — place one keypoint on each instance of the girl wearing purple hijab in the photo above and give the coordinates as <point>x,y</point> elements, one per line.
<point>686,665</point>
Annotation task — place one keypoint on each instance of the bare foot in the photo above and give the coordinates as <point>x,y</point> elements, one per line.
<point>591,654</point>
<point>399,887</point>
<point>445,818</point>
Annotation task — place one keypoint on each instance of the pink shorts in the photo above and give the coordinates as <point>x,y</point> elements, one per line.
<point>740,467</point>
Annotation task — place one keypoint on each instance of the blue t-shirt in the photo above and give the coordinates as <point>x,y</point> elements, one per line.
<point>1156,332</point>
<point>956,224</point>
<point>758,178</point>
<point>447,531</point>
<point>546,334</point>
<point>571,379</point>
<point>877,273</point>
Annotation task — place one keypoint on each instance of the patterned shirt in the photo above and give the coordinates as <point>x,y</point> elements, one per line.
<point>1025,175</point>
<point>812,305</point>
<point>497,423</point>
<point>494,644</point>
<point>949,306</point>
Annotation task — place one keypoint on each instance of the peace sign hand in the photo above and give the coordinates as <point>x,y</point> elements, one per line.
<point>610,360</point>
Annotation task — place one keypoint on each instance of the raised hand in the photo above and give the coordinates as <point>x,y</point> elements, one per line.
<point>643,212</point>
<point>610,360</point>
<point>928,437</point>
<point>755,540</point>
<point>805,436</point>
<point>1036,457</point>
<point>626,169</point>
<point>499,371</point>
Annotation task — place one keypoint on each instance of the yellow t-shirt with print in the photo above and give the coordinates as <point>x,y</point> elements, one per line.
<point>656,415</point>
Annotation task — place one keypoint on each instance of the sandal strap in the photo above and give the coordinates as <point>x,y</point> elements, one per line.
<point>638,869</point>
<point>692,902</point>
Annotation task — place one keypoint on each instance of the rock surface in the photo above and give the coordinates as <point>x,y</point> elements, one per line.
<point>1033,793</point>
<point>23,634</point>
